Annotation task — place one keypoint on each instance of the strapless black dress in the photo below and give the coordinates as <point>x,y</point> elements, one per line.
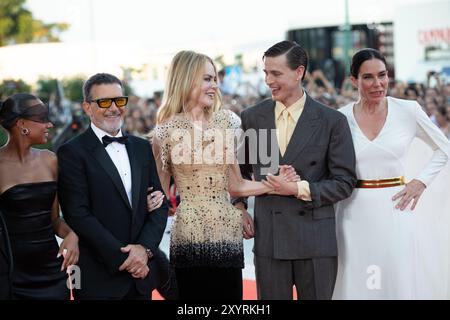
<point>37,272</point>
<point>5,261</point>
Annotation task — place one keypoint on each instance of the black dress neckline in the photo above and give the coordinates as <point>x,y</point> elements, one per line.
<point>26,184</point>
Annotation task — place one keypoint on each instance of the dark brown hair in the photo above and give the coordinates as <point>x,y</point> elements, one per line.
<point>296,56</point>
<point>363,55</point>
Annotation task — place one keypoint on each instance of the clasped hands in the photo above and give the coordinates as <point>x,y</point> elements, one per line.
<point>136,263</point>
<point>285,183</point>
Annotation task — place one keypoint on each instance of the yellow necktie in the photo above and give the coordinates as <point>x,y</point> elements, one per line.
<point>284,139</point>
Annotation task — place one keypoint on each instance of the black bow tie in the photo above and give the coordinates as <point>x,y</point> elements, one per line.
<point>107,140</point>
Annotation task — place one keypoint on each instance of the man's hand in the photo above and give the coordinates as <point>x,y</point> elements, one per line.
<point>248,229</point>
<point>136,263</point>
<point>141,273</point>
<point>281,186</point>
<point>288,173</point>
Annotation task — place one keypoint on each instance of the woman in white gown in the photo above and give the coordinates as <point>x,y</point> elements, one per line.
<point>381,253</point>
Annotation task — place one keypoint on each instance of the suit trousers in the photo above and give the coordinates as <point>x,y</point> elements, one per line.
<point>314,279</point>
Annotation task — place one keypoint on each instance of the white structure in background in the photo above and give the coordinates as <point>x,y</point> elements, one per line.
<point>420,30</point>
<point>422,40</point>
<point>148,66</point>
<point>418,24</point>
<point>30,62</point>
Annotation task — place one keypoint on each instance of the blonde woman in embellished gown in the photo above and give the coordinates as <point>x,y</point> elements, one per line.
<point>194,142</point>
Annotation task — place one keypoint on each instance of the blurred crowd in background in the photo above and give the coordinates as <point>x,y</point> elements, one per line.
<point>433,96</point>
<point>238,90</point>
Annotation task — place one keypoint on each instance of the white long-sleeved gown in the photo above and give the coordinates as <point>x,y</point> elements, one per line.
<point>386,253</point>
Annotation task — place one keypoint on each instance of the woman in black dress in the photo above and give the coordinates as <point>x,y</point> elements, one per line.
<point>5,261</point>
<point>29,204</point>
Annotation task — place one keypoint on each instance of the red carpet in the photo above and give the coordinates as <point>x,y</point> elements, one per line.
<point>249,291</point>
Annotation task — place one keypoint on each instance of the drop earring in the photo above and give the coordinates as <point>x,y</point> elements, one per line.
<point>25,131</point>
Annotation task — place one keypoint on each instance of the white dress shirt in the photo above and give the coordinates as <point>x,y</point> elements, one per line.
<point>119,156</point>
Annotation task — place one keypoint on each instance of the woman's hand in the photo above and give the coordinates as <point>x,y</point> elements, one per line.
<point>248,228</point>
<point>289,174</point>
<point>412,191</point>
<point>69,250</point>
<point>154,199</point>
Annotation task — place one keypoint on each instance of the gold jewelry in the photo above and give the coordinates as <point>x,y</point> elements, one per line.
<point>381,183</point>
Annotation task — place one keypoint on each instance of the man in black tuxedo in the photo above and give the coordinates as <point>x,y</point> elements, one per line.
<point>102,186</point>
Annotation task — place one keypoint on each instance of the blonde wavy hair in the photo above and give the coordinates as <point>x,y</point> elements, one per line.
<point>185,75</point>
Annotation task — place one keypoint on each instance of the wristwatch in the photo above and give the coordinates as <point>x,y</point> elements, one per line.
<point>149,253</point>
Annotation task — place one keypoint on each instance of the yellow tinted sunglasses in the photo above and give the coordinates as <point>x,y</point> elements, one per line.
<point>107,102</point>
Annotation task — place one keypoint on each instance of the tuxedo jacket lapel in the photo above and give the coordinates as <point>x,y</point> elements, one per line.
<point>99,153</point>
<point>306,126</point>
<point>136,172</point>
